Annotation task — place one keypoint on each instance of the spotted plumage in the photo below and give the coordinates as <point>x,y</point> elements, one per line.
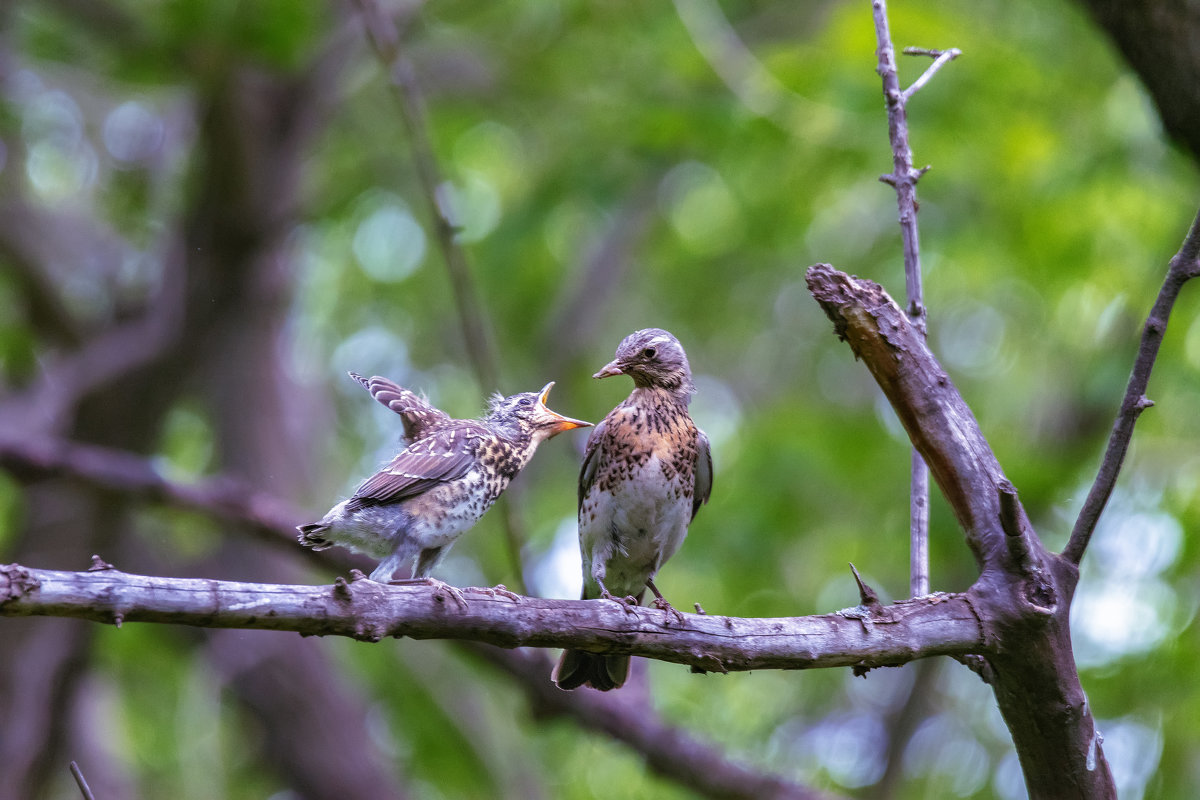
<point>646,471</point>
<point>441,483</point>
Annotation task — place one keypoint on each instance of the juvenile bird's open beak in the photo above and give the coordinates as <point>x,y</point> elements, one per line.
<point>556,422</point>
<point>610,369</point>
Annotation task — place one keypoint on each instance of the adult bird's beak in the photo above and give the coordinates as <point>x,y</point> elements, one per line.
<point>556,422</point>
<point>610,369</point>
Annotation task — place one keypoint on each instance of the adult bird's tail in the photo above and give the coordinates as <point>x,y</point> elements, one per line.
<point>580,668</point>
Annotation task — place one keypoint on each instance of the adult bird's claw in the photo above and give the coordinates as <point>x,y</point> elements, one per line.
<point>627,604</point>
<point>661,603</point>
<point>441,589</point>
<point>492,591</point>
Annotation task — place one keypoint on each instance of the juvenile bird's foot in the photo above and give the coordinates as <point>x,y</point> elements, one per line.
<point>498,589</point>
<point>441,589</point>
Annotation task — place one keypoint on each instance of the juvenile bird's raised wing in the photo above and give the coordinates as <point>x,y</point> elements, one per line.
<point>418,415</point>
<point>587,472</point>
<point>442,456</point>
<point>704,472</point>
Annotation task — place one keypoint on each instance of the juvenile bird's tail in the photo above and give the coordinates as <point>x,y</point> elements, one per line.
<point>312,535</point>
<point>580,668</point>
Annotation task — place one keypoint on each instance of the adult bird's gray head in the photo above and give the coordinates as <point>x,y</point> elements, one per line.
<point>654,359</point>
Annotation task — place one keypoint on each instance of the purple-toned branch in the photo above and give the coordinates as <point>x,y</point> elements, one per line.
<point>944,624</point>
<point>1183,267</point>
<point>668,751</point>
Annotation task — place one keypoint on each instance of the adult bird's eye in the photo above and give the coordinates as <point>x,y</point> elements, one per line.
<point>648,352</point>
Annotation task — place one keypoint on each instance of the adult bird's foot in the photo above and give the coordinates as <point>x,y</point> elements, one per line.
<point>660,602</point>
<point>441,589</point>
<point>498,589</point>
<point>628,604</point>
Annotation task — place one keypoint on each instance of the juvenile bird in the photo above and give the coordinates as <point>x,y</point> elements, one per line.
<point>646,471</point>
<point>440,484</point>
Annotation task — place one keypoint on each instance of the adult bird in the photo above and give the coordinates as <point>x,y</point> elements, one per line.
<point>646,471</point>
<point>440,484</point>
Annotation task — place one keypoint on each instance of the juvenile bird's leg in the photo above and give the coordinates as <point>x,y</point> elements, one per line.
<point>661,602</point>
<point>440,588</point>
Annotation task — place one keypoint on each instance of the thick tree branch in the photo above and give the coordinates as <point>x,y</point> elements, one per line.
<point>1183,267</point>
<point>369,611</point>
<point>938,421</point>
<point>1023,593</point>
<point>669,750</point>
<point>137,477</point>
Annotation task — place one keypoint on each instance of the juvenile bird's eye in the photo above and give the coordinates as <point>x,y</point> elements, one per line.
<point>648,352</point>
<point>525,401</point>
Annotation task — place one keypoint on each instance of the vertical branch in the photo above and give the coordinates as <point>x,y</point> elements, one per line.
<point>903,179</point>
<point>385,40</point>
<point>1183,267</point>
<point>476,328</point>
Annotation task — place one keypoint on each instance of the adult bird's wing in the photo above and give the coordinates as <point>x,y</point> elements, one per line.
<point>591,459</point>
<point>418,415</point>
<point>704,472</point>
<point>440,457</point>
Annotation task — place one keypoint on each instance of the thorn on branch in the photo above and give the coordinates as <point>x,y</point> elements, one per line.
<point>357,575</point>
<point>1038,590</point>
<point>99,565</point>
<point>341,589</point>
<point>700,610</point>
<point>1010,519</point>
<point>866,594</point>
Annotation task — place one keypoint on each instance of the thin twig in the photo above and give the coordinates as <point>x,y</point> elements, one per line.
<point>904,179</point>
<point>941,59</point>
<point>476,327</point>
<point>84,789</point>
<point>1183,267</point>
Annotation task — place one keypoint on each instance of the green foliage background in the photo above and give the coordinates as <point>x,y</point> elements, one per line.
<point>1047,220</point>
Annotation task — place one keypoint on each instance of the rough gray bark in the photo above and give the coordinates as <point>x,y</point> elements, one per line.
<point>1024,592</point>
<point>941,624</point>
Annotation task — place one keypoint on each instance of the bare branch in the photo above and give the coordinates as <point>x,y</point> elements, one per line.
<point>84,789</point>
<point>938,421</point>
<point>369,611</point>
<point>904,180</point>
<point>473,318</point>
<point>669,751</point>
<point>1183,267</point>
<point>941,59</point>
<point>133,475</point>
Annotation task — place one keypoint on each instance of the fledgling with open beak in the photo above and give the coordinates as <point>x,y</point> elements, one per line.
<point>646,471</point>
<point>438,486</point>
